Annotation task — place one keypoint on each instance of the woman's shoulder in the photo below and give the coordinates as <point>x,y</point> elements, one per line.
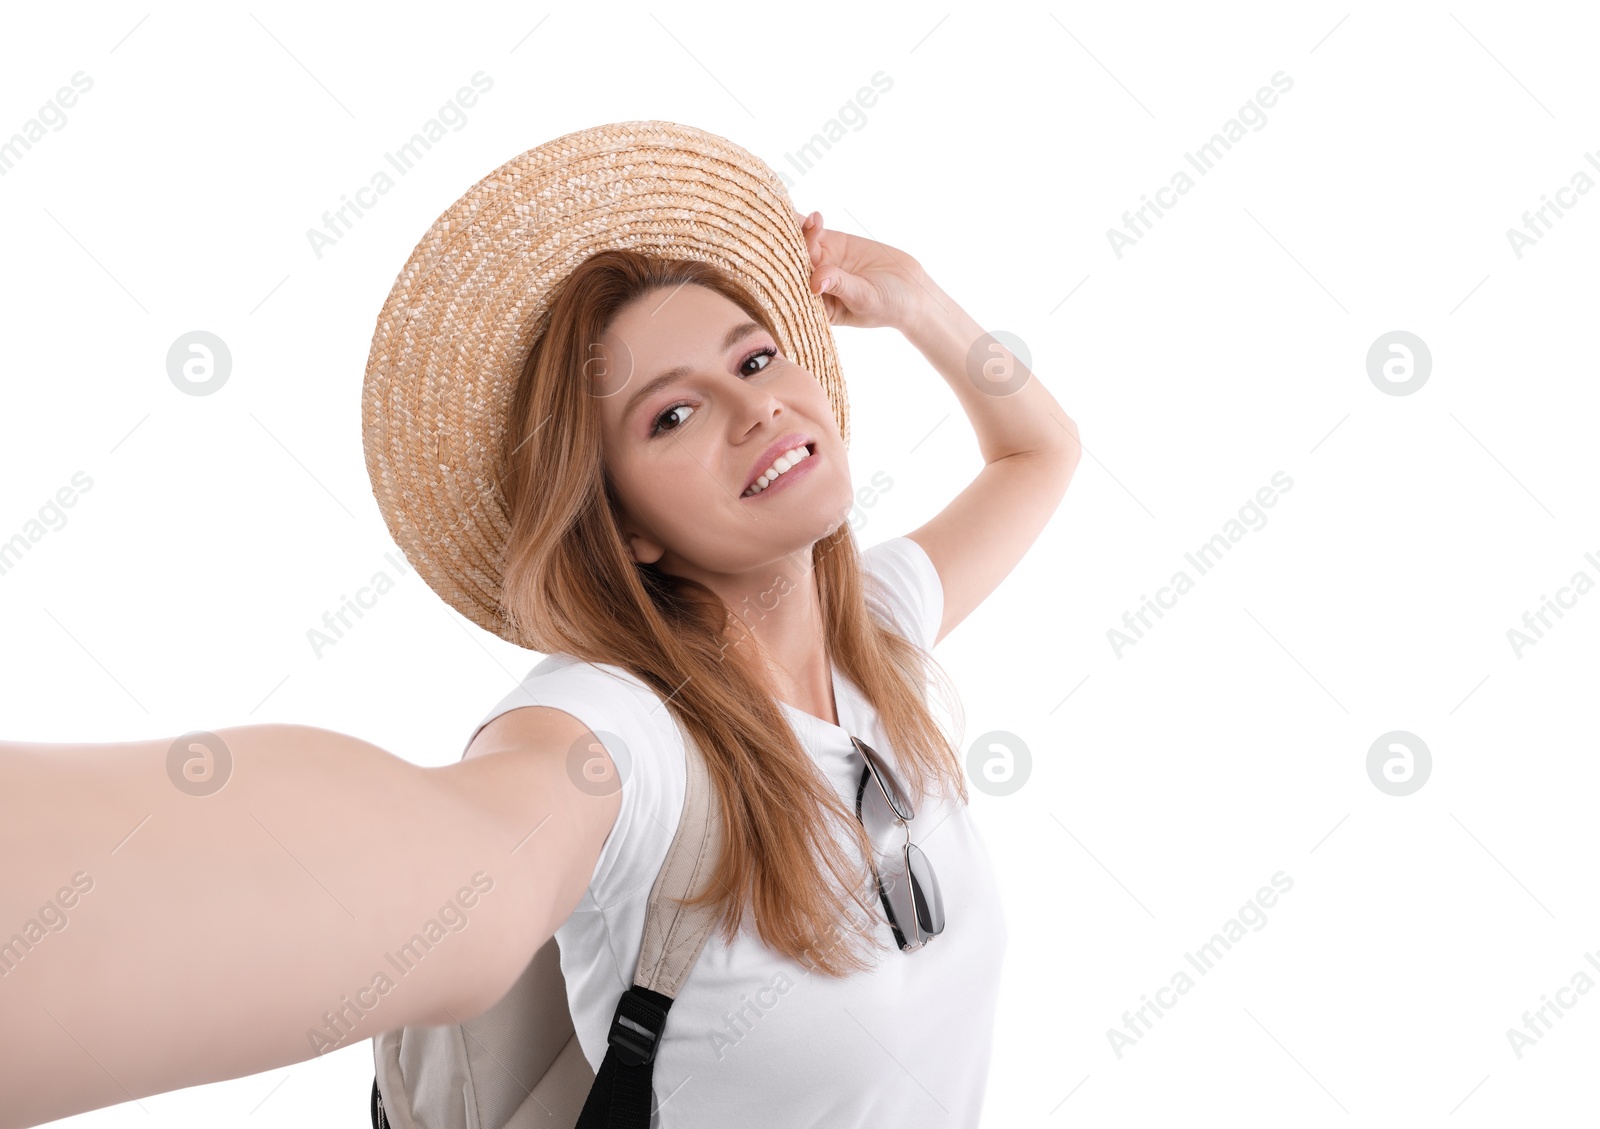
<point>905,588</point>
<point>646,746</point>
<point>601,695</point>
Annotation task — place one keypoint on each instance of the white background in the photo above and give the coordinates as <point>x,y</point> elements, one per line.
<point>1167,784</point>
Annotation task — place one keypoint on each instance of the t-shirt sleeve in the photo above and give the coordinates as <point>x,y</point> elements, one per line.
<point>645,744</point>
<point>907,588</point>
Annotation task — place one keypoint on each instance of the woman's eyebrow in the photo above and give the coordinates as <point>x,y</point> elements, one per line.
<point>735,335</point>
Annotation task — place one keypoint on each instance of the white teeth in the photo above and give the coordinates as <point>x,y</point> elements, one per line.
<point>781,464</point>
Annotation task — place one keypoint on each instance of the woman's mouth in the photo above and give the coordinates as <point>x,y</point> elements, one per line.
<point>787,467</point>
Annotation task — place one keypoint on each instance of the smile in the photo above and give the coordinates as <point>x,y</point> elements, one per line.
<point>782,471</point>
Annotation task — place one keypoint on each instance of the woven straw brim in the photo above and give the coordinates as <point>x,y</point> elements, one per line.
<point>465,310</point>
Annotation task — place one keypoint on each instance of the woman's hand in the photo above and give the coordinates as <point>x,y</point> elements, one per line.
<point>863,283</point>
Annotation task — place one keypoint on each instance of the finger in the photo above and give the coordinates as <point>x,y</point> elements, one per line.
<point>814,245</point>
<point>841,285</point>
<point>812,237</point>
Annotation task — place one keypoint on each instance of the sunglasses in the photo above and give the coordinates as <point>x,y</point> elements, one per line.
<point>906,885</point>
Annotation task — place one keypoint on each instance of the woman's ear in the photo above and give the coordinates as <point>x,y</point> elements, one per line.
<point>644,550</point>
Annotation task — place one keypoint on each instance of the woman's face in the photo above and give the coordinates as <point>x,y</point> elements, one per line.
<point>681,452</point>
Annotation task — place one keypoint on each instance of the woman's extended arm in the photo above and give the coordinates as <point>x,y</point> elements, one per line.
<point>154,937</point>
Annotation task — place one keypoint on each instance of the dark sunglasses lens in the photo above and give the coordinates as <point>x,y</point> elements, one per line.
<point>913,898</point>
<point>886,782</point>
<point>925,887</point>
<point>898,894</point>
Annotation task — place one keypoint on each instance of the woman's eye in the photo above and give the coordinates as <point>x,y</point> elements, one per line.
<point>656,427</point>
<point>769,352</point>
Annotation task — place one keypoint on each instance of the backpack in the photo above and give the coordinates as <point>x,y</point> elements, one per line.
<point>519,1064</point>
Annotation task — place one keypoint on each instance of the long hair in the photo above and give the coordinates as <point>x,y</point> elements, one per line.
<point>571,586</point>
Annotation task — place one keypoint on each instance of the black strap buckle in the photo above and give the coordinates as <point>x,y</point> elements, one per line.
<point>636,1035</point>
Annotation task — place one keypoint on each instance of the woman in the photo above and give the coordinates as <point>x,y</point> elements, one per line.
<point>679,545</point>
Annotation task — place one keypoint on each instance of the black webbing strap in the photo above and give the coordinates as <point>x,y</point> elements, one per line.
<point>620,1097</point>
<point>379,1119</point>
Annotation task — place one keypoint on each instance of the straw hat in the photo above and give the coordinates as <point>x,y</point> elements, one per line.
<point>471,300</point>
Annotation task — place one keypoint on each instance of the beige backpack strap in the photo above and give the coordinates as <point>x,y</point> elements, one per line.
<point>674,935</point>
<point>673,938</point>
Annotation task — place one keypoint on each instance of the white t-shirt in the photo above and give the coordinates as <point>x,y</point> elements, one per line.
<point>755,1038</point>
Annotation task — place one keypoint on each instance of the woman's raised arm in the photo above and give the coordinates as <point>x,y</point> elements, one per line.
<point>158,930</point>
